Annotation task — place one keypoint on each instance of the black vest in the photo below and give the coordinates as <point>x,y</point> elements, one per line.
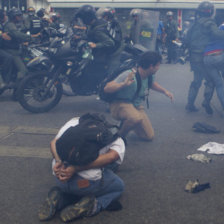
<point>35,25</point>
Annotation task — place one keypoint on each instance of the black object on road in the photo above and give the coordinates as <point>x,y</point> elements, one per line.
<point>205,128</point>
<point>195,186</point>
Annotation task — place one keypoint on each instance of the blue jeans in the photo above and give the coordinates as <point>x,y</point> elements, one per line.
<point>214,64</point>
<point>105,190</point>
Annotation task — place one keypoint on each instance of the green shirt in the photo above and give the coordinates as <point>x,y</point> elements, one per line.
<point>17,36</point>
<point>127,94</point>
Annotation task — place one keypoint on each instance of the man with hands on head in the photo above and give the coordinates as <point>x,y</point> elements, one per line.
<point>84,190</point>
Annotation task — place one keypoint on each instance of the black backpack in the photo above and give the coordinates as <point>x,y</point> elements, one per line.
<point>109,97</point>
<point>80,145</point>
<point>129,64</point>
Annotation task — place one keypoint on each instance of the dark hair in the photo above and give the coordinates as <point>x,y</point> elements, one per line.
<point>41,12</point>
<point>149,58</point>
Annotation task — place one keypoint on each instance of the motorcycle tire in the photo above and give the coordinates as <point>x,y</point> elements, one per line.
<point>33,95</point>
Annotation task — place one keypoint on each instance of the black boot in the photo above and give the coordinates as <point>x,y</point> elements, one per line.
<point>191,108</point>
<point>208,108</point>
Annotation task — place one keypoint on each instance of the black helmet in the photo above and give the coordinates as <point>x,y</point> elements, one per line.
<point>108,12</point>
<point>205,9</point>
<point>86,13</point>
<point>41,12</point>
<point>13,13</point>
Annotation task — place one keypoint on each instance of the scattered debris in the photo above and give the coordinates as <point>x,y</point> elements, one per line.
<point>212,148</point>
<point>200,158</point>
<point>205,128</point>
<point>195,186</point>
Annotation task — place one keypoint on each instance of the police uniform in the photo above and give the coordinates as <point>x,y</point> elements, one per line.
<point>13,46</point>
<point>104,54</point>
<point>198,37</point>
<point>6,59</point>
<point>171,31</point>
<point>32,24</point>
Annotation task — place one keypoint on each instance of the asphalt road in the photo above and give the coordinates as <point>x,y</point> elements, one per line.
<point>155,173</point>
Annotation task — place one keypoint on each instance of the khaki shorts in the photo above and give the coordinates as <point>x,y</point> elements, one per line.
<point>133,118</point>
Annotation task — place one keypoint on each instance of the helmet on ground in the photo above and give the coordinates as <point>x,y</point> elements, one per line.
<point>41,12</point>
<point>31,11</point>
<point>13,13</point>
<point>135,12</point>
<point>205,9</point>
<point>108,12</point>
<point>169,13</point>
<point>86,13</point>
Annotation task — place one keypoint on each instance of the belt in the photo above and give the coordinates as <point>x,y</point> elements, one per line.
<point>214,53</point>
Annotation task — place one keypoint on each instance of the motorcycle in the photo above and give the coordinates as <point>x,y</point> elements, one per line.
<point>42,90</point>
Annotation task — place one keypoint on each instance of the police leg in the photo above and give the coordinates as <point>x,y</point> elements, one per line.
<point>7,66</point>
<point>208,92</point>
<point>21,71</point>
<point>169,51</point>
<point>173,52</point>
<point>198,71</point>
<point>214,66</point>
<point>19,64</point>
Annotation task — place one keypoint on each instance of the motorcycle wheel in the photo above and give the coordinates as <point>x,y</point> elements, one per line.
<point>34,96</point>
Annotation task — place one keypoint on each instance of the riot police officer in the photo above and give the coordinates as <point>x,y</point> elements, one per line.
<point>171,32</point>
<point>114,28</point>
<point>41,15</point>
<point>32,22</point>
<point>5,58</point>
<point>135,15</point>
<point>199,35</point>
<point>109,14</point>
<point>17,37</point>
<point>103,45</point>
<point>55,20</point>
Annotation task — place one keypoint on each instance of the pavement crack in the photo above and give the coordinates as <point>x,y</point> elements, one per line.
<point>6,136</point>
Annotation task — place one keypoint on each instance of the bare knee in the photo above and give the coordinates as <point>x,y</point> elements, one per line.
<point>148,137</point>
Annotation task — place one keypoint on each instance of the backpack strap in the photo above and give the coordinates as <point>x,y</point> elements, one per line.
<point>139,85</point>
<point>149,86</point>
